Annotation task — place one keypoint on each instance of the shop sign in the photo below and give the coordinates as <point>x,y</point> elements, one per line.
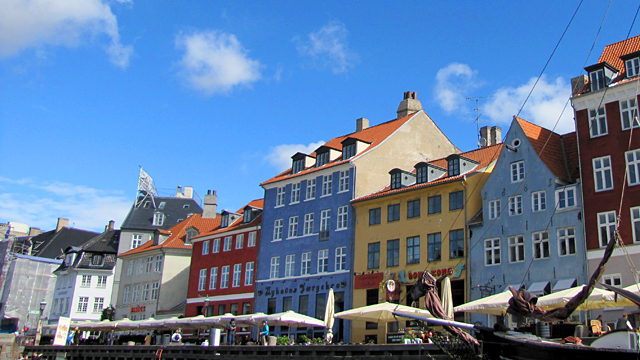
<point>302,289</point>
<point>411,276</point>
<point>136,309</point>
<point>367,281</point>
<point>395,338</point>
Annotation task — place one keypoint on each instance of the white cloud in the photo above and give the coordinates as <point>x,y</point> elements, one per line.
<point>542,108</point>
<point>328,47</point>
<point>26,24</point>
<point>40,204</point>
<point>453,84</point>
<point>280,156</point>
<point>215,62</point>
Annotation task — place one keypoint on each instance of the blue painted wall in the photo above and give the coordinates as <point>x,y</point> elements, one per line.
<point>313,284</point>
<point>499,186</point>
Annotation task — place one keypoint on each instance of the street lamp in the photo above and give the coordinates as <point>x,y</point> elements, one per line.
<point>43,305</point>
<point>206,306</point>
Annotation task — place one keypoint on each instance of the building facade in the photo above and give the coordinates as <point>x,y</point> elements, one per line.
<point>606,109</point>
<point>530,230</point>
<point>417,223</point>
<point>308,223</point>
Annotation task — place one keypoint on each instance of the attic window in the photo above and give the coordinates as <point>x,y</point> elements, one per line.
<point>97,260</point>
<point>396,180</point>
<point>421,171</point>
<point>162,205</point>
<point>186,206</point>
<point>454,167</point>
<point>633,67</point>
<point>69,259</point>
<point>224,222</point>
<point>298,165</point>
<point>191,234</point>
<point>147,204</point>
<point>247,215</point>
<point>348,151</point>
<point>322,159</point>
<point>158,219</point>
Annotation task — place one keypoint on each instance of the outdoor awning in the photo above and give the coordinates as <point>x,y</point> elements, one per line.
<point>564,284</point>
<point>539,288</point>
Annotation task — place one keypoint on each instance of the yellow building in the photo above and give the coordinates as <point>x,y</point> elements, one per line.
<point>417,223</point>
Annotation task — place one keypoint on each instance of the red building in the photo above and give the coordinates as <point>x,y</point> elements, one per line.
<point>223,265</point>
<point>606,106</point>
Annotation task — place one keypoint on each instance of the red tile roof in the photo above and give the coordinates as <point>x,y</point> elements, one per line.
<point>373,135</point>
<point>485,156</point>
<point>239,223</point>
<point>560,154</point>
<point>178,234</point>
<point>612,53</point>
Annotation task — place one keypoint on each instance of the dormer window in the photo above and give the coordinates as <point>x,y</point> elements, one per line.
<point>191,233</point>
<point>224,221</point>
<point>97,260</point>
<point>158,219</point>
<point>68,260</point>
<point>298,165</point>
<point>322,159</point>
<point>348,151</point>
<point>400,178</point>
<point>247,215</point>
<point>633,67</point>
<point>601,75</point>
<point>396,180</point>
<point>162,205</point>
<point>596,79</point>
<point>454,166</point>
<point>421,172</point>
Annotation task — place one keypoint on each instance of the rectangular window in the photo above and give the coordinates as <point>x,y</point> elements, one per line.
<point>293,227</point>
<point>325,218</point>
<point>145,292</point>
<point>86,281</point>
<point>222,308</point>
<point>303,305</point>
<point>348,151</point>
<point>435,204</point>
<point>374,216</point>
<point>326,185</point>
<point>494,209</point>
<point>341,258</point>
<point>213,278</point>
<point>248,274</point>
<point>517,171</point>
<point>252,239</point>
<point>130,268</point>
<point>342,217</point>
<point>597,122</point>
<point>540,241</point>
<point>83,302</point>
<point>372,299</point>
<point>224,277</point>
<point>149,264</point>
<point>322,159</point>
<point>308,224</point>
<point>239,241</point>
<point>633,166</point>
<point>277,230</point>
<point>393,253</point>
<point>413,209</point>
<point>202,279</point>
<point>538,201</point>
<point>289,264</point>
<point>566,198</point>
<point>612,279</point>
<point>136,293</point>
<point>434,245</point>
<point>396,180</point>
<point>567,241</point>
<point>216,246</point>
<point>373,257</point>
<point>136,241</point>
<point>102,281</point>
<point>343,184</point>
<point>140,267</point>
<point>635,223</point>
<point>274,271</point>
<point>205,247</point>
<point>515,205</point>
<point>413,250</point>
<point>629,114</point>
<point>454,167</point>
<point>298,165</point>
<point>154,291</point>
<point>158,219</point>
<point>125,296</point>
<point>516,248</point>
<point>311,189</point>
<point>492,252</point>
<point>237,274</point>
<point>158,267</point>
<point>393,212</point>
<point>295,193</point>
<point>421,172</point>
<point>633,67</point>
<point>323,261</point>
<point>306,264</point>
<point>602,173</point>
<point>456,244</point>
<point>606,226</point>
<point>280,196</point>
<point>597,80</point>
<point>456,200</point>
<point>227,244</point>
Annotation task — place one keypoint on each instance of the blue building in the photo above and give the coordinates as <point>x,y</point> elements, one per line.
<point>307,240</point>
<point>530,228</point>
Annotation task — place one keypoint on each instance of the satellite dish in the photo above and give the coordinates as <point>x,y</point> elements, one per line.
<point>482,142</point>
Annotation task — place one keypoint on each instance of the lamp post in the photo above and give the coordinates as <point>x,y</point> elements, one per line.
<point>43,305</point>
<point>206,306</point>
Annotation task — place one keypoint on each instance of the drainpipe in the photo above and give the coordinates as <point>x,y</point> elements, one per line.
<point>466,248</point>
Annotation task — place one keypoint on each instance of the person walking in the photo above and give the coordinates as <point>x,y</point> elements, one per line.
<point>264,332</point>
<point>110,337</point>
<point>231,332</point>
<point>76,337</point>
<point>147,339</point>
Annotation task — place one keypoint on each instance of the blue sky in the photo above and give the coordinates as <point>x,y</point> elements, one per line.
<point>220,94</point>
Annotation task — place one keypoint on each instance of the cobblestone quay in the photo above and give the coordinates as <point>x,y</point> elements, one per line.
<point>193,352</point>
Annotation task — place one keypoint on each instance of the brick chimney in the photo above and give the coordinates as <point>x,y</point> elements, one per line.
<point>110,226</point>
<point>362,124</point>
<point>409,105</point>
<point>62,222</point>
<point>210,205</point>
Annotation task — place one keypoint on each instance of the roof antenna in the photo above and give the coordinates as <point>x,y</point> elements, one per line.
<point>477,120</point>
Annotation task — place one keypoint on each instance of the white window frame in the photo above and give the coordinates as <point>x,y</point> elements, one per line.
<point>86,281</point>
<point>136,241</point>
<point>341,258</point>
<point>280,196</point>
<point>323,261</point>
<point>515,205</point>
<point>158,219</point>
<point>327,182</point>
<point>149,264</point>
<point>308,223</point>
<point>632,158</point>
<point>125,296</point>
<point>102,281</point>
<point>564,196</point>
<point>538,201</point>
<point>277,230</point>
<point>274,269</point>
<point>295,193</point>
<point>248,274</point>
<point>216,246</point>
<point>237,275</point>
<point>598,121</point>
<point>305,264</point>
<point>606,221</point>
<point>635,223</point>
<point>540,242</point>
<point>213,278</point>
<point>145,292</point>
<point>491,249</point>
<point>293,227</point>
<point>602,171</point>
<point>494,209</point>
<point>311,189</point>
<point>154,291</point>
<point>516,242</point>
<point>566,235</point>
<point>252,239</point>
<point>517,171</point>
<point>343,215</point>
<point>290,263</point>
<point>136,294</point>
<point>628,112</point>
<point>325,219</point>
<point>612,279</point>
<point>227,243</point>
<point>83,303</point>
<point>205,247</point>
<point>343,184</point>
<point>202,279</point>
<point>239,241</point>
<point>224,277</point>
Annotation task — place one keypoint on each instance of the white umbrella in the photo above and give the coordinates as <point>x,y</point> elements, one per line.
<point>328,315</point>
<point>379,312</point>
<point>447,298</point>
<point>126,324</point>
<point>495,304</point>
<point>152,323</point>
<point>596,300</point>
<point>289,318</point>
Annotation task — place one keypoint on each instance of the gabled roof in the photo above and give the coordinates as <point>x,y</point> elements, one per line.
<point>107,242</point>
<point>178,234</point>
<point>484,156</point>
<point>612,53</point>
<point>561,152</point>
<point>373,135</point>
<point>52,244</point>
<point>141,218</point>
<point>238,224</point>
